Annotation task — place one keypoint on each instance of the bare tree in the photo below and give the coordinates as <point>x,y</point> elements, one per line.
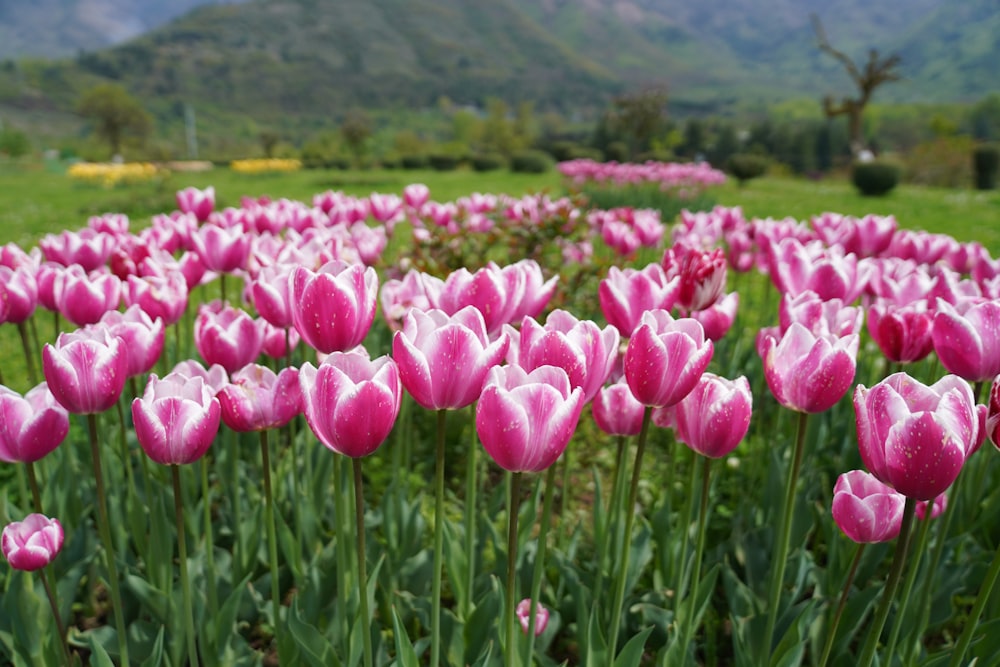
<point>877,71</point>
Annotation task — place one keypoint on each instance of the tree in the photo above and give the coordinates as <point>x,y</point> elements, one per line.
<point>355,131</point>
<point>640,116</point>
<point>117,116</point>
<point>876,72</point>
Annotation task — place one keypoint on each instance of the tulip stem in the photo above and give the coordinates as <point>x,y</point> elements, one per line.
<point>36,494</point>
<point>785,536</point>
<point>699,550</point>
<point>540,554</point>
<point>471,491</point>
<point>359,514</point>
<point>28,355</point>
<point>123,443</point>
<point>831,632</point>
<point>206,499</point>
<point>889,591</point>
<point>344,570</point>
<point>565,500</point>
<point>272,539</point>
<point>633,492</point>
<point>911,575</point>
<point>54,605</point>
<point>182,557</point>
<point>513,509</point>
<point>680,589</point>
<point>104,527</point>
<point>438,541</point>
<point>977,609</point>
<point>610,528</point>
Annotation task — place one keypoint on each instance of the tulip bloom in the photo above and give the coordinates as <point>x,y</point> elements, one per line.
<point>523,612</point>
<point>865,509</point>
<point>665,357</point>
<point>33,543</point>
<point>143,338</point>
<point>176,419</point>
<point>257,399</point>
<point>88,248</point>
<point>525,420</point>
<point>914,437</point>
<point>30,426</point>
<point>806,372</point>
<point>832,274</point>
<point>198,203</point>
<point>414,290</point>
<point>18,294</point>
<point>718,318</point>
<point>443,359</point>
<point>227,336</point>
<point>86,369</point>
<point>616,411</point>
<point>333,308</point>
<point>967,338</point>
<point>713,418</point>
<point>903,333</point>
<point>351,402</point>
<point>702,275</point>
<point>221,249</point>
<point>822,317</point>
<point>83,298</point>
<point>626,294</point>
<point>164,297</point>
<point>269,292</point>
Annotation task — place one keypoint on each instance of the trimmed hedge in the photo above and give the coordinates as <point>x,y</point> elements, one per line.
<point>746,166</point>
<point>488,162</point>
<point>874,179</point>
<point>986,166</point>
<point>530,162</point>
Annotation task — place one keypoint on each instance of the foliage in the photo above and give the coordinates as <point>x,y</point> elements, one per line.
<point>14,143</point>
<point>356,129</point>
<point>986,166</point>
<point>530,162</point>
<point>117,116</point>
<point>640,116</point>
<point>875,179</point>
<point>414,161</point>
<point>443,161</point>
<point>746,166</point>
<point>942,162</point>
<point>488,161</point>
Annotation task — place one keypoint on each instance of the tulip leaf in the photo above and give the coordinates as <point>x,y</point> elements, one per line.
<point>791,649</point>
<point>314,648</point>
<point>456,561</point>
<point>291,548</point>
<point>597,647</point>
<point>23,604</point>
<point>631,654</point>
<point>98,657</point>
<point>485,657</point>
<point>154,600</point>
<point>405,655</point>
<point>480,628</point>
<point>155,658</point>
<point>220,627</point>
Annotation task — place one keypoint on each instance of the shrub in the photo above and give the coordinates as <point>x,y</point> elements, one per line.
<point>415,161</point>
<point>443,161</point>
<point>488,162</point>
<point>563,150</point>
<point>986,165</point>
<point>746,166</point>
<point>616,151</point>
<point>874,179</point>
<point>588,153</point>
<point>943,162</point>
<point>530,162</point>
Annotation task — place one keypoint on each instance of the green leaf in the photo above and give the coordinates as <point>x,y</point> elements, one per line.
<point>290,546</point>
<point>631,654</point>
<point>155,658</point>
<point>99,657</point>
<point>405,655</point>
<point>221,627</point>
<point>313,646</point>
<point>791,649</point>
<point>597,646</point>
<point>481,628</point>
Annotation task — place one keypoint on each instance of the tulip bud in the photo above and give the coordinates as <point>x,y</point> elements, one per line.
<point>33,543</point>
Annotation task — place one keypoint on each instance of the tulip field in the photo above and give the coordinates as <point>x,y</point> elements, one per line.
<point>403,429</point>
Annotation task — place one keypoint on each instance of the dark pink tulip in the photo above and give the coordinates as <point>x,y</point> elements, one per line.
<point>47,278</point>
<point>415,290</point>
<point>865,509</point>
<point>277,340</point>
<point>214,376</point>
<point>830,317</point>
<point>351,402</point>
<point>903,333</point>
<point>30,426</point>
<point>914,437</point>
<point>525,420</point>
<point>718,318</point>
<point>616,411</point>
<point>937,506</point>
<point>227,336</point>
<point>385,208</point>
<point>164,297</point>
<point>86,369</point>
<point>581,348</point>
<point>269,292</point>
<point>198,203</point>
<point>702,275</point>
<point>176,419</point>
<point>221,249</point>
<point>808,372</point>
<point>626,294</point>
<point>967,338</point>
<point>665,358</point>
<point>88,248</point>
<point>115,224</point>
<point>496,292</point>
<point>796,267</point>
<point>13,256</point>
<point>444,359</point>
<point>193,270</point>
<point>32,544</point>
<point>952,287</point>
<point>18,294</point>
<point>83,298</point>
<point>256,399</point>
<point>523,612</point>
<point>900,281</point>
<point>993,414</point>
<point>333,308</point>
<point>713,418</point>
<point>142,335</point>
<point>532,293</point>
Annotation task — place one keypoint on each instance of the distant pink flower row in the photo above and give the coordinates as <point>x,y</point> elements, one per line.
<point>668,175</point>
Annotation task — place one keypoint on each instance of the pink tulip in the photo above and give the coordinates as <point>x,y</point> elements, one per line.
<point>937,506</point>
<point>416,195</point>
<point>525,420</point>
<point>533,292</point>
<point>333,308</point>
<point>581,348</point>
<point>901,281</point>
<point>257,399</point>
<point>829,272</point>
<point>215,376</point>
<point>83,298</point>
<point>31,426</point>
<point>164,297</point>
<point>903,333</point>
<point>665,358</point>
<point>914,437</point>
<point>443,359</point>
<point>269,294</point>
<point>88,248</point>
<point>143,338</point>
<point>351,402</point>
<point>718,318</point>
<point>227,336</point>
<point>115,224</point>
<point>616,411</point>
<point>176,419</point>
<point>993,414</point>
<point>806,372</point>
<point>713,418</point>
<point>822,317</point>
<point>626,295</point>
<point>967,338</point>
<point>32,544</point>
<point>496,292</point>
<point>198,203</point>
<point>702,275</point>
<point>278,341</point>
<point>866,509</point>
<point>221,249</point>
<point>18,294</point>
<point>523,612</point>
<point>414,290</point>
<point>86,369</point>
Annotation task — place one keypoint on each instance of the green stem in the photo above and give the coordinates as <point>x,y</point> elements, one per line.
<point>610,528</point>
<point>633,492</point>
<point>438,541</point>
<point>272,538</point>
<point>36,494</point>
<point>889,591</point>
<point>680,587</point>
<point>977,609</point>
<point>104,527</point>
<point>54,605</point>
<point>182,557</point>
<point>784,537</point>
<point>831,632</point>
<point>344,570</point>
<point>29,357</point>
<point>471,491</point>
<point>513,508</point>
<point>567,497</point>
<point>540,554</point>
<point>206,499</point>
<point>359,514</point>
<point>699,551</point>
<point>126,455</point>
<point>222,286</point>
<point>911,575</point>
<point>237,524</point>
